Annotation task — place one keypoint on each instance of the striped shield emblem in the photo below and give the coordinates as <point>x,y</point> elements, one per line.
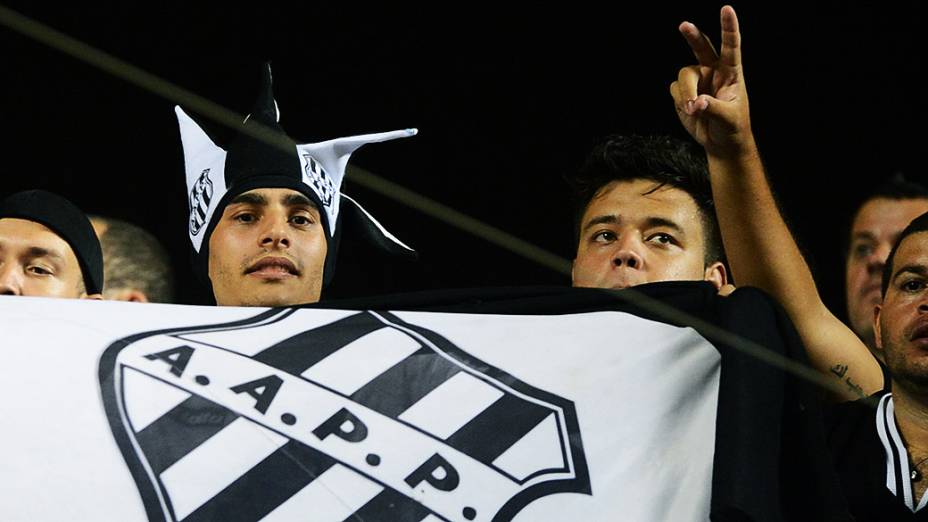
<point>330,416</point>
<point>200,197</point>
<point>320,182</point>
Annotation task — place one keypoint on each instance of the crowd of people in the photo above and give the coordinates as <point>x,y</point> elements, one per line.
<point>266,215</point>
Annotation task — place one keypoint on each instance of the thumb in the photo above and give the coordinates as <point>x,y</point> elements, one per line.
<point>716,109</point>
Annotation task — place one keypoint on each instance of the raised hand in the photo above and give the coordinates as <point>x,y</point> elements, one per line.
<point>710,98</point>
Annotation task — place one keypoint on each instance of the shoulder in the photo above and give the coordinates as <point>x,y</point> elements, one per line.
<point>852,420</point>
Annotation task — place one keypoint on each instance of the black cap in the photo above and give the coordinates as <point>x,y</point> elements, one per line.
<point>66,220</point>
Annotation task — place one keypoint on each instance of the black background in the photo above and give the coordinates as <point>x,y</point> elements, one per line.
<point>507,98</point>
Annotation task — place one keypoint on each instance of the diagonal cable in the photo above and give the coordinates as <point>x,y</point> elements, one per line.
<point>211,110</point>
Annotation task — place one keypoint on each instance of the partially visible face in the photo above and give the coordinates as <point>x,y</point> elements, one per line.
<point>632,234</point>
<point>901,321</point>
<point>268,249</point>
<point>875,229</point>
<point>34,261</point>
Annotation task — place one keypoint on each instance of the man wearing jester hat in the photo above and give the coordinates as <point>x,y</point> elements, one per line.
<point>266,214</point>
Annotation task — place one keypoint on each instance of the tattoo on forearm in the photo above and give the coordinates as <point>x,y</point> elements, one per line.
<point>840,371</point>
<point>854,387</point>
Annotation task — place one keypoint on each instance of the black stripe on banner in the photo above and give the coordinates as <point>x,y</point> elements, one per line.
<point>390,506</point>
<point>181,430</point>
<point>267,485</point>
<point>395,390</point>
<point>497,428</point>
<point>300,352</point>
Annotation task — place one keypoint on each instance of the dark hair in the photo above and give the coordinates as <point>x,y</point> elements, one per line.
<point>133,258</point>
<point>919,224</point>
<point>897,188</point>
<point>662,159</point>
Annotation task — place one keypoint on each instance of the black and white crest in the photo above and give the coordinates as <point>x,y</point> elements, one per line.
<point>341,415</point>
<point>319,180</point>
<point>200,198</point>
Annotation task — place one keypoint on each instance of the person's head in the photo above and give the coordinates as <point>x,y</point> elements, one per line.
<point>137,268</point>
<point>900,322</point>
<point>645,214</point>
<point>47,248</point>
<point>266,214</point>
<point>268,249</point>
<point>874,229</point>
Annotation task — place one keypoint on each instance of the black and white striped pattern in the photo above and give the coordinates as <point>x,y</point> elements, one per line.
<point>210,461</point>
<point>200,198</point>
<point>897,458</point>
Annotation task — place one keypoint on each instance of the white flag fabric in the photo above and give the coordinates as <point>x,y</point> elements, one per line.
<point>117,411</point>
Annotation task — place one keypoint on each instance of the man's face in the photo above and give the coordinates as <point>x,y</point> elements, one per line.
<point>632,234</point>
<point>875,229</point>
<point>34,261</point>
<point>268,249</point>
<point>901,321</point>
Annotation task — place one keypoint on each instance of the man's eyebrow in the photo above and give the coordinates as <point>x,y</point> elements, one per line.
<point>34,252</point>
<point>249,198</point>
<point>297,200</point>
<point>921,270</point>
<point>606,219</point>
<point>663,222</point>
<point>863,235</point>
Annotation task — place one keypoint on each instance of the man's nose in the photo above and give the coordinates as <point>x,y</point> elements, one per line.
<point>11,280</point>
<point>276,233</point>
<point>923,303</point>
<point>627,253</point>
<point>877,260</point>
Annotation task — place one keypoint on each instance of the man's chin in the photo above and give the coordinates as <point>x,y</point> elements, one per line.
<point>611,285</point>
<point>277,292</point>
<point>621,285</point>
<point>273,301</point>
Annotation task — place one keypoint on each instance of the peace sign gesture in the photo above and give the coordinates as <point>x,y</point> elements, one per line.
<point>710,98</point>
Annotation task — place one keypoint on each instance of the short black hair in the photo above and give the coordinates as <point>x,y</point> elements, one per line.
<point>898,188</point>
<point>919,224</point>
<point>662,159</point>
<point>134,258</point>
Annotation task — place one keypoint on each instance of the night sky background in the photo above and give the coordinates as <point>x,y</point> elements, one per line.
<point>507,99</point>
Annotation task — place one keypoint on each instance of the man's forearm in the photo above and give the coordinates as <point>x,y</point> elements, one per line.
<point>760,248</point>
<point>763,253</point>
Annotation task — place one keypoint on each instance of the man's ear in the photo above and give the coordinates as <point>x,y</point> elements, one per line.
<point>717,274</point>
<point>131,295</point>
<point>877,337</point>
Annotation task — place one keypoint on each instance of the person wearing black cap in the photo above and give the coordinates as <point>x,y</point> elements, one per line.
<point>48,248</point>
<point>266,214</point>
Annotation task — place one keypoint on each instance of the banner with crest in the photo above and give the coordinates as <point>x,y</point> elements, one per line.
<point>121,411</point>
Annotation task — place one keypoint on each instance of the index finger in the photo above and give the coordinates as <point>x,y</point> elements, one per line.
<point>731,38</point>
<point>699,43</point>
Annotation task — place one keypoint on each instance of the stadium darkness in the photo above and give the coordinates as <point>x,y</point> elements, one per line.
<point>506,102</point>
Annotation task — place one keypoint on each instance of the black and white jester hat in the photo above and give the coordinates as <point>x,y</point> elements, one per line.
<point>216,175</point>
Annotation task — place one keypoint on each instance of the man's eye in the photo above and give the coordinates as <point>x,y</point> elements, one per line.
<point>301,221</point>
<point>604,236</point>
<point>913,285</point>
<point>38,270</point>
<point>245,217</point>
<point>661,238</point>
<point>863,250</point>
